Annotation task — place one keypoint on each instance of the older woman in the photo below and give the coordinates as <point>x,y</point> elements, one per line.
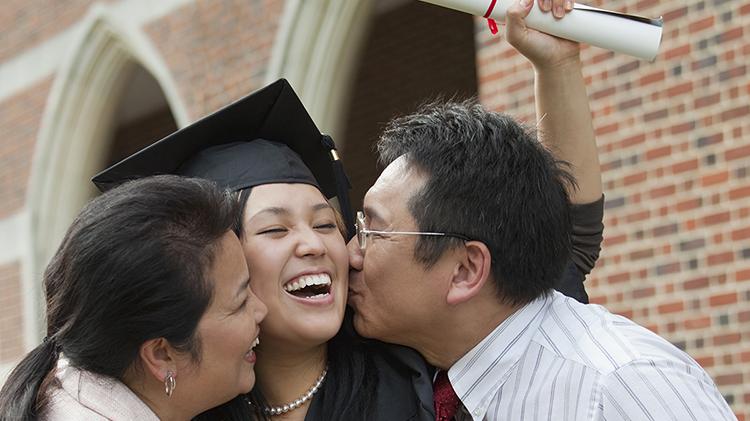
<point>149,311</point>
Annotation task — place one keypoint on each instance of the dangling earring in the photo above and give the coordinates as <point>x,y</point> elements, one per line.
<point>169,383</point>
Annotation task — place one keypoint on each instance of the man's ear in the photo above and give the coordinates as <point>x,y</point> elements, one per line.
<point>158,357</point>
<point>471,272</point>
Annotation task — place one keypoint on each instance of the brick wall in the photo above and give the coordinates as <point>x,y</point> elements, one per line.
<point>674,147</point>
<point>28,23</point>
<point>20,116</point>
<point>217,51</point>
<point>11,310</point>
<point>402,65</point>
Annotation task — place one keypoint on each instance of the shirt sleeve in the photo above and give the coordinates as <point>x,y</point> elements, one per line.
<point>586,238</point>
<point>587,234</point>
<point>661,390</point>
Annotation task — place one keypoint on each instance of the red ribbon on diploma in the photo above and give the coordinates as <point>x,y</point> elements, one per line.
<point>491,22</point>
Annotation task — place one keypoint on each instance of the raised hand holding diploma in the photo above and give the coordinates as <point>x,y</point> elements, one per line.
<point>633,35</point>
<point>562,105</point>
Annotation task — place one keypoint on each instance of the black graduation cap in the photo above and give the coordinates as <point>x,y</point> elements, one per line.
<point>265,137</point>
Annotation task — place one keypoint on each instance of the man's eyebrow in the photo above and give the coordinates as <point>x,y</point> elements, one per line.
<point>243,287</point>
<point>372,214</point>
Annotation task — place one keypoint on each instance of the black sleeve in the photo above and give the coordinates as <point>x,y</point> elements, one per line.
<point>587,239</point>
<point>587,235</point>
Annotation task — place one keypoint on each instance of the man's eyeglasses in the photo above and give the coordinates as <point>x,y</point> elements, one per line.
<point>363,232</point>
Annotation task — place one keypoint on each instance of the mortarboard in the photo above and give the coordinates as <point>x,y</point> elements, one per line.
<point>265,137</point>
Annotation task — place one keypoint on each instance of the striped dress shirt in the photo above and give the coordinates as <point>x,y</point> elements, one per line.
<point>557,359</point>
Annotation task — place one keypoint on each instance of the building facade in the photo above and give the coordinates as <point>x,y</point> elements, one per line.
<point>84,83</point>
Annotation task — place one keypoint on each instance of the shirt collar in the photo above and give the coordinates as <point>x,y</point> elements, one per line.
<point>478,375</point>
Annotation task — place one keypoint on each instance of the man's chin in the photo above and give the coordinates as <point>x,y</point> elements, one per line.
<point>362,327</point>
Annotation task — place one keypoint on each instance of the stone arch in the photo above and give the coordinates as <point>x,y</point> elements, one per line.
<point>70,147</point>
<point>316,50</point>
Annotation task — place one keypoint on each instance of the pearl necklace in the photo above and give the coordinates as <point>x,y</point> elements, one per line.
<point>283,409</point>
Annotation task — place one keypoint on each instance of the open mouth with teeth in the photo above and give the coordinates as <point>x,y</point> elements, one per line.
<point>309,286</point>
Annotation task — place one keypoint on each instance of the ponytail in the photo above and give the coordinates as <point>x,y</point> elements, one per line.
<point>24,394</point>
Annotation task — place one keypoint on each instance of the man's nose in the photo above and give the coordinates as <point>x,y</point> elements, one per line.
<point>356,257</point>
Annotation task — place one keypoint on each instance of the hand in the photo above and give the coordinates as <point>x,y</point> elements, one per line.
<point>543,50</point>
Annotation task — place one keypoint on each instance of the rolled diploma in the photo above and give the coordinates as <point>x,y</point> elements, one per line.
<point>633,35</point>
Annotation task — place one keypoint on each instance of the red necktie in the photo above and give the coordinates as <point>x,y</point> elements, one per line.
<point>446,401</point>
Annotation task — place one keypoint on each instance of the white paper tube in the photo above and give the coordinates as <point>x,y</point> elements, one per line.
<point>629,34</point>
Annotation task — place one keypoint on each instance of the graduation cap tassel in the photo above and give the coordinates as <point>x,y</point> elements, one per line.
<point>342,187</point>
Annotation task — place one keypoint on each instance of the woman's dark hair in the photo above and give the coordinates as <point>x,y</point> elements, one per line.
<point>349,389</point>
<point>133,266</point>
<point>489,179</point>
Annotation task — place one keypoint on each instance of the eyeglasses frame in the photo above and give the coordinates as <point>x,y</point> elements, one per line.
<point>361,229</point>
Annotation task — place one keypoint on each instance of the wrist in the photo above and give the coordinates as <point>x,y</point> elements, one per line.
<point>563,65</point>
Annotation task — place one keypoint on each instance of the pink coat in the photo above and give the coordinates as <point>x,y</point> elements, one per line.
<point>86,396</point>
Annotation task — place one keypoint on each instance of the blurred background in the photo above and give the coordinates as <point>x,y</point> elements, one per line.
<point>85,83</point>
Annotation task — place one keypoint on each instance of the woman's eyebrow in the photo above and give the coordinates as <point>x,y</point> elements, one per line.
<point>322,206</point>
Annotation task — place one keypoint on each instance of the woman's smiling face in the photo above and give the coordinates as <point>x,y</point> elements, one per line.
<point>298,263</point>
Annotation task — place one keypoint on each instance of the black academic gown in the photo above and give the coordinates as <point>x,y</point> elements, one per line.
<point>404,391</point>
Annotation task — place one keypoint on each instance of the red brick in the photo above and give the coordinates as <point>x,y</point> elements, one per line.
<point>741,234</point>
<point>653,77</point>
<point>686,205</point>
<point>723,299</point>
<point>700,25</point>
<point>716,178</point>
<point>682,127</point>
<point>613,240</point>
<point>682,88</point>
<point>727,379</point>
<point>635,178</point>
<point>731,34</point>
<point>680,51</point>
<point>642,254</point>
<point>739,193</point>
<point>644,292</point>
<point>689,165</point>
<point>672,307</point>
<point>674,14</point>
<point>716,218</point>
<point>743,275</point>
<point>736,112</point>
<point>638,216</point>
<point>698,323</point>
<point>634,140</point>
<point>656,115</point>
<point>662,191</point>
<point>609,128</point>
<point>736,153</point>
<point>726,339</point>
<point>706,100</point>
<point>705,362</point>
<point>618,278</point>
<point>608,91</point>
<point>659,152</point>
<point>720,258</point>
